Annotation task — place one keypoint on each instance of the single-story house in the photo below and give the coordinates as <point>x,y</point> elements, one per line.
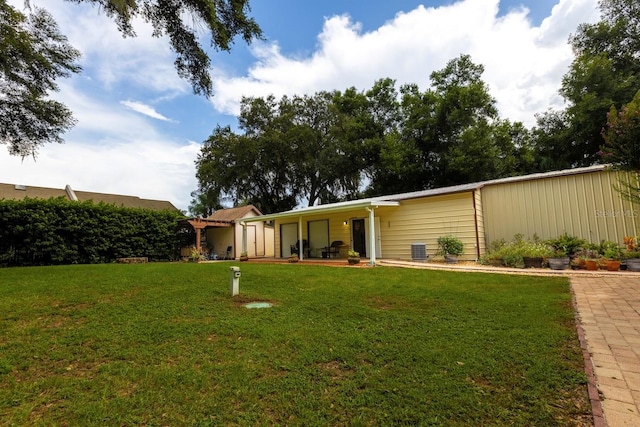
<point>19,192</point>
<point>582,202</point>
<point>224,233</point>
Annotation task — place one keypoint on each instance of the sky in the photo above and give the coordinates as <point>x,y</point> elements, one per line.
<point>140,127</point>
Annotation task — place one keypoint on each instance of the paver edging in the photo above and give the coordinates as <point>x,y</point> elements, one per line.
<point>592,388</point>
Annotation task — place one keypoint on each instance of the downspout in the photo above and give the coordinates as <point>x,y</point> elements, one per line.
<point>300,248</point>
<point>475,221</point>
<point>372,238</point>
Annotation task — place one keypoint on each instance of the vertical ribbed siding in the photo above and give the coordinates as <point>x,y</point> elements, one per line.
<point>586,205</point>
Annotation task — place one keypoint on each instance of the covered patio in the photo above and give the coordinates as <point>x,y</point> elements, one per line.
<point>353,222</point>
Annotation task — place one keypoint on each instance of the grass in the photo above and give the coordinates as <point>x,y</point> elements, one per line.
<point>165,344</point>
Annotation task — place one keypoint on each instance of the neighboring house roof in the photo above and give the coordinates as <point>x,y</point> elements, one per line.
<point>393,199</point>
<point>19,192</point>
<point>233,214</point>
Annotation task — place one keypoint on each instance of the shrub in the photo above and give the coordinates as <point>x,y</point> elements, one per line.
<point>450,245</point>
<point>567,244</point>
<point>59,231</point>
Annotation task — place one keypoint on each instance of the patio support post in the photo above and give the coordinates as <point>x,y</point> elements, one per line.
<point>372,237</point>
<point>244,236</point>
<point>198,239</point>
<point>300,248</point>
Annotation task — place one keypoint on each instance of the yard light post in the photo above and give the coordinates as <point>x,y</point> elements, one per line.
<point>234,281</point>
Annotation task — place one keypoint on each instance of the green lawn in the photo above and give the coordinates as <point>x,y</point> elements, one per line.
<point>165,344</point>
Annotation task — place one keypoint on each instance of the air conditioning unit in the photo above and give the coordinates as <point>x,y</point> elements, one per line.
<point>419,252</point>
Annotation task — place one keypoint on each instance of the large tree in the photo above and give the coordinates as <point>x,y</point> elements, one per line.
<point>605,72</point>
<point>34,55</point>
<point>182,21</point>
<point>450,134</point>
<point>300,149</point>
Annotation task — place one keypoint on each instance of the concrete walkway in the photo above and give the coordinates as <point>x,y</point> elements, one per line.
<point>609,312</point>
<point>608,322</point>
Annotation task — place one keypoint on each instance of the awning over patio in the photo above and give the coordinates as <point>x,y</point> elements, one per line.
<point>368,204</point>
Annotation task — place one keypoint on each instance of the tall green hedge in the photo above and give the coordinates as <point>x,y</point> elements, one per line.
<point>59,231</point>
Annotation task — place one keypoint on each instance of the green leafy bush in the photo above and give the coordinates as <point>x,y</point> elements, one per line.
<point>59,231</point>
<point>567,244</point>
<point>450,245</point>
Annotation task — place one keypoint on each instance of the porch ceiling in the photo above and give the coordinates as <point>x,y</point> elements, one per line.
<point>331,208</point>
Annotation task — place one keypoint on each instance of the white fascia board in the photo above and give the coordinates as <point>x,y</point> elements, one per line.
<point>322,209</point>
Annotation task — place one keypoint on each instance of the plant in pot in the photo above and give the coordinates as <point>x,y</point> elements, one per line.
<point>450,247</point>
<point>293,258</point>
<point>244,256</point>
<point>612,258</point>
<point>558,260</point>
<point>534,253</point>
<point>195,255</point>
<point>353,257</point>
<point>564,247</point>
<point>632,260</point>
<point>591,259</point>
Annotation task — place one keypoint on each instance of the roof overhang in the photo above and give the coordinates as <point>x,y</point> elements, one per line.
<point>325,209</point>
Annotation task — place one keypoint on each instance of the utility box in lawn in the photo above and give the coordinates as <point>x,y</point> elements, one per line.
<point>234,280</point>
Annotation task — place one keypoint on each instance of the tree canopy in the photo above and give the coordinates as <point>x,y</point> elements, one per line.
<point>605,72</point>
<point>34,55</point>
<point>335,146</point>
<point>182,21</point>
<point>622,144</point>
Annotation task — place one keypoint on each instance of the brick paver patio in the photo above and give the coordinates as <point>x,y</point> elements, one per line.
<point>609,311</point>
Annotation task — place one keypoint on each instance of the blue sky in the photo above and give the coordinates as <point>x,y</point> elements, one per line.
<point>140,127</point>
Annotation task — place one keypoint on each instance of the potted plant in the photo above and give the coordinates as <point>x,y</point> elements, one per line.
<point>195,255</point>
<point>244,256</point>
<point>293,258</point>
<point>534,253</point>
<point>354,257</point>
<point>591,259</point>
<point>564,247</point>
<point>558,260</point>
<point>450,247</point>
<point>612,258</point>
<point>632,260</point>
<point>632,253</point>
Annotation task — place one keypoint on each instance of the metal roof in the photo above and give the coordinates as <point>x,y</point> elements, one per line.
<point>394,199</point>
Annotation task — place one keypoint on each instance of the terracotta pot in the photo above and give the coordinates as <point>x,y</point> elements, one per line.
<point>591,264</point>
<point>613,265</point>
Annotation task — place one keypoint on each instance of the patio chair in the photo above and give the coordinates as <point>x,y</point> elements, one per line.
<point>333,249</point>
<point>305,249</point>
<point>227,253</point>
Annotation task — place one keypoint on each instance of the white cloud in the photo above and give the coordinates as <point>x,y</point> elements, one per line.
<point>149,169</point>
<point>122,150</point>
<point>523,64</point>
<point>145,109</point>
